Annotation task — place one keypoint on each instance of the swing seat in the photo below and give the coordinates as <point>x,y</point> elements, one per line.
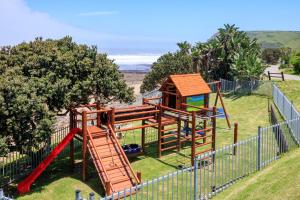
<point>134,148</point>
<point>126,148</point>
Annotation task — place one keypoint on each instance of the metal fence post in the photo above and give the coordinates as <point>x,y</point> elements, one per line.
<point>1,194</point>
<point>258,149</point>
<point>92,196</point>
<point>77,195</point>
<point>195,178</point>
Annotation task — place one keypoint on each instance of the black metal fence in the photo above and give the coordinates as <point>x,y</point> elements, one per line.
<point>17,164</point>
<point>215,171</point>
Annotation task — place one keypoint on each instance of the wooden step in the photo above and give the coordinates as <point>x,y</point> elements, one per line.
<point>119,180</point>
<point>169,135</point>
<point>168,148</point>
<point>204,151</point>
<point>202,144</point>
<point>204,130</point>
<point>169,129</point>
<point>202,137</point>
<point>170,141</point>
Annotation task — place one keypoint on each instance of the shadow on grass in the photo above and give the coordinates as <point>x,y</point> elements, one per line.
<point>61,169</point>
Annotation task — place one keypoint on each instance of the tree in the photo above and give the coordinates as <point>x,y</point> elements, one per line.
<point>220,57</point>
<point>43,78</point>
<point>271,55</point>
<point>295,62</point>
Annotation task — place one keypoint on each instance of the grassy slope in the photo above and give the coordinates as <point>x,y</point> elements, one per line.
<point>249,111</point>
<point>292,90</point>
<point>280,180</point>
<point>277,38</point>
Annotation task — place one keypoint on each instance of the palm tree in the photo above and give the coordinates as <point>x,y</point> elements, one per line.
<point>184,47</point>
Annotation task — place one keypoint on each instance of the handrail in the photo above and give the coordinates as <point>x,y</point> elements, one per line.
<point>152,98</point>
<point>175,110</point>
<point>87,105</point>
<point>136,108</point>
<point>122,152</point>
<point>136,113</point>
<point>98,111</point>
<point>99,158</point>
<point>214,82</point>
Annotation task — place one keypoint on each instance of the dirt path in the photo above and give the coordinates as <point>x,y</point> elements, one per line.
<point>275,69</point>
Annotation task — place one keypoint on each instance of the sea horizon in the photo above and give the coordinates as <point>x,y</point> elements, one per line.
<point>141,62</point>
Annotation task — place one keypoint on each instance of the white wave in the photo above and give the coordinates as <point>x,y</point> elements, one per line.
<point>134,59</point>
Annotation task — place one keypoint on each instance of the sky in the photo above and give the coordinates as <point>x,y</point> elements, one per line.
<point>136,27</point>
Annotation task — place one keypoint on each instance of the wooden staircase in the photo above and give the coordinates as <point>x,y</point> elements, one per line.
<point>110,160</point>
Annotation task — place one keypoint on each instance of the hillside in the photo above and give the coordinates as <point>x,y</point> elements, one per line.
<point>274,39</point>
<point>280,180</point>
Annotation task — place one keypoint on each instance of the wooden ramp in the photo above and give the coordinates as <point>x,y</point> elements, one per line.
<point>110,160</point>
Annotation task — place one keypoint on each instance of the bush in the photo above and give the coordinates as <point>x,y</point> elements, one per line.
<point>295,61</point>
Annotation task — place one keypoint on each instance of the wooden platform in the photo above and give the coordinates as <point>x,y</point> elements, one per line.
<point>109,161</point>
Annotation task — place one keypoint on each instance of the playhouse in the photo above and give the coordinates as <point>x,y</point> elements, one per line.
<point>181,116</point>
<point>185,90</point>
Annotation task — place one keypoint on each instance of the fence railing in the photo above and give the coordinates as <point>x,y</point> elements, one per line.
<point>18,163</point>
<point>287,110</point>
<point>217,170</point>
<point>247,87</point>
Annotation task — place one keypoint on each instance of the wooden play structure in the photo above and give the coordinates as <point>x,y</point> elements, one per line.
<point>181,116</point>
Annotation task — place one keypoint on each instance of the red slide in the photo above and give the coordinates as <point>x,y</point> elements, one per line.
<point>24,186</point>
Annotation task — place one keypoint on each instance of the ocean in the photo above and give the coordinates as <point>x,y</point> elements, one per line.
<point>137,63</point>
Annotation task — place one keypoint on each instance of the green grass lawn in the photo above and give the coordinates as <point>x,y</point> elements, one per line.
<point>292,90</point>
<point>280,180</point>
<point>58,183</point>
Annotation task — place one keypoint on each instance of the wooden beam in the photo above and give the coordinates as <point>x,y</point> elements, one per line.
<point>174,110</point>
<point>235,137</point>
<point>159,130</point>
<point>172,93</point>
<point>178,133</point>
<point>98,115</point>
<point>84,145</point>
<point>136,127</point>
<point>136,113</point>
<point>223,106</point>
<point>132,109</point>
<point>72,141</point>
<point>132,120</point>
<point>193,137</point>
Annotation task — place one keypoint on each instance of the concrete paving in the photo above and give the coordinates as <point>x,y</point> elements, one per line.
<point>275,69</point>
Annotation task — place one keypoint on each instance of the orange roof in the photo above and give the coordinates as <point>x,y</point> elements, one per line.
<point>190,84</point>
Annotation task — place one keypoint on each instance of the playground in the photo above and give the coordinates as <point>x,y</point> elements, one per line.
<point>249,111</point>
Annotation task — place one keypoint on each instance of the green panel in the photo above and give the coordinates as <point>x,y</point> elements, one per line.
<point>195,101</point>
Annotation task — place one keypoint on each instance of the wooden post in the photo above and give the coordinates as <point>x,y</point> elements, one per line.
<point>235,138</point>
<point>213,138</point>
<point>213,119</point>
<point>143,129</point>
<point>71,115</point>
<point>223,106</point>
<point>112,120</point>
<point>84,145</point>
<point>178,133</point>
<point>139,176</point>
<point>98,115</point>
<point>193,136</point>
<point>269,75</point>
<point>282,76</point>
<point>107,188</point>
<point>159,131</point>
<point>204,127</point>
